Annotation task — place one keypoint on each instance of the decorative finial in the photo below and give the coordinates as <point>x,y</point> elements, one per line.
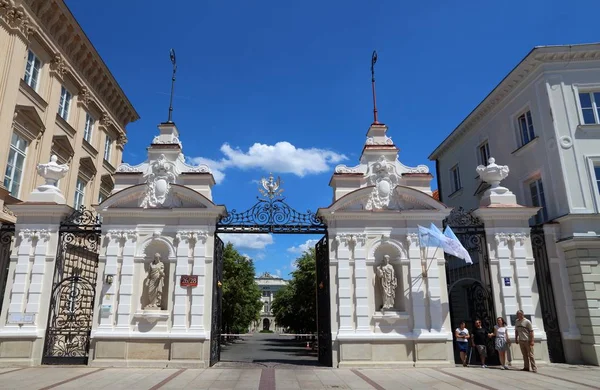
<point>271,188</point>
<point>174,62</point>
<point>493,174</point>
<point>373,61</point>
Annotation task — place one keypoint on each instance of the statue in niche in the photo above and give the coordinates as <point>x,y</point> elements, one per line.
<point>389,282</point>
<point>154,283</point>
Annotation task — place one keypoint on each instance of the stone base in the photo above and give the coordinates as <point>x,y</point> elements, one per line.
<point>590,354</point>
<point>395,353</point>
<point>46,194</point>
<point>149,353</point>
<point>15,352</point>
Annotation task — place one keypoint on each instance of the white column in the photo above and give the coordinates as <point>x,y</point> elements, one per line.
<point>125,308</point>
<point>198,293</point>
<point>345,244</point>
<point>417,285</point>
<point>361,284</point>
<point>435,293</point>
<point>114,237</point>
<point>38,270</point>
<point>180,306</point>
<point>525,280</point>
<point>17,299</point>
<point>505,270</point>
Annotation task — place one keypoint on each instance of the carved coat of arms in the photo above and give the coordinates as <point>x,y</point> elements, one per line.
<point>158,182</point>
<point>382,175</point>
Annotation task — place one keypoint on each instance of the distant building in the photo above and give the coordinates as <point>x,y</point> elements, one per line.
<point>268,285</point>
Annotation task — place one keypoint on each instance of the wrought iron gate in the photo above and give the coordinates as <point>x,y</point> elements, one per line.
<point>74,285</point>
<point>470,293</point>
<point>544,282</point>
<point>323,302</point>
<point>217,300</point>
<point>7,232</point>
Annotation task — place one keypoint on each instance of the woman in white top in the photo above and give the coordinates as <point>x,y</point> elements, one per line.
<point>462,340</point>
<point>502,341</point>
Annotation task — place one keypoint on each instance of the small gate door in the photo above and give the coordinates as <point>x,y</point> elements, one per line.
<point>323,302</point>
<point>72,302</point>
<point>544,282</point>
<point>215,329</point>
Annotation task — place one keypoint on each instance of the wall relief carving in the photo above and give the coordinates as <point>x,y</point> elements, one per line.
<point>382,175</point>
<point>158,184</point>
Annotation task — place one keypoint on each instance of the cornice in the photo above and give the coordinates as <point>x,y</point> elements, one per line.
<point>16,19</point>
<point>75,55</point>
<point>522,72</point>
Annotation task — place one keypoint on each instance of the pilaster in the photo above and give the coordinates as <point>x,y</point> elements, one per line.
<point>417,285</point>
<point>38,270</point>
<point>504,243</point>
<point>125,308</point>
<point>361,284</point>
<point>345,246</point>
<point>180,304</point>
<point>198,293</point>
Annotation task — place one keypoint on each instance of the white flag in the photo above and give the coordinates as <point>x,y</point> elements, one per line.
<point>454,247</point>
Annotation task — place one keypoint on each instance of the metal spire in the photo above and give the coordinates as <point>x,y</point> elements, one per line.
<point>373,61</point>
<point>172,54</point>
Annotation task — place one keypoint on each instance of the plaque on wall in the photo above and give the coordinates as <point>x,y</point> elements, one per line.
<point>21,318</point>
<point>189,281</point>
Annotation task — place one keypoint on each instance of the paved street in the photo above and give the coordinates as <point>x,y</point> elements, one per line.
<point>551,377</point>
<point>267,349</point>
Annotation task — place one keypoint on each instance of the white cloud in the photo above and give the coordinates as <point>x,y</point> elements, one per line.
<point>248,241</point>
<point>300,249</point>
<point>278,272</point>
<point>283,157</point>
<point>293,265</point>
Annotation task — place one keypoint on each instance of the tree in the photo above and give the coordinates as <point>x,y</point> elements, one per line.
<point>295,305</point>
<point>241,296</point>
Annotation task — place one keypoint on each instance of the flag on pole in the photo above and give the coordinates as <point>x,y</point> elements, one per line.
<point>454,247</point>
<point>429,239</point>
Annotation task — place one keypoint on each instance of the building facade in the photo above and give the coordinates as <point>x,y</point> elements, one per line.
<point>268,285</point>
<point>57,97</point>
<point>543,121</point>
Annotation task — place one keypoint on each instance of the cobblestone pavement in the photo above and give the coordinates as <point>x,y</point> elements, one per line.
<point>300,377</point>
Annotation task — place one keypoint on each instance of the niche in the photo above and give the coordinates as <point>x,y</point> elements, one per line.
<point>155,252</point>
<point>393,255</point>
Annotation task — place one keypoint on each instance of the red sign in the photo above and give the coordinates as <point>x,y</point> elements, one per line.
<point>189,281</point>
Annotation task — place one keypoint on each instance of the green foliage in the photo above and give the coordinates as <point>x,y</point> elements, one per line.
<point>295,305</point>
<point>241,295</point>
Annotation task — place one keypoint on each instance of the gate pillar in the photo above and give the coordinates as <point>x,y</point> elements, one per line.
<point>24,316</point>
<point>510,252</point>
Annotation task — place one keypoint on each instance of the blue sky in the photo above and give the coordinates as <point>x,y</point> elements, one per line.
<point>285,86</point>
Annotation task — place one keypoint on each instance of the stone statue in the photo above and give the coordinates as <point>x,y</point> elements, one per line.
<point>154,283</point>
<point>387,275</point>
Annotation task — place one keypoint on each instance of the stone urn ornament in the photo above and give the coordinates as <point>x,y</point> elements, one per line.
<point>493,174</point>
<point>52,172</point>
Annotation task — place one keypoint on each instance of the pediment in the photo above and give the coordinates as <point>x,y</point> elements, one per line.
<point>403,198</point>
<point>133,197</point>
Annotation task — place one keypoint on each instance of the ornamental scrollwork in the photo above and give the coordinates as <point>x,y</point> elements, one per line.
<point>383,177</point>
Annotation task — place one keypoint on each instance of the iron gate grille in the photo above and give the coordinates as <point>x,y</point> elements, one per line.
<point>215,330</point>
<point>470,293</point>
<point>7,232</point>
<point>544,282</point>
<point>72,301</point>
<point>323,302</point>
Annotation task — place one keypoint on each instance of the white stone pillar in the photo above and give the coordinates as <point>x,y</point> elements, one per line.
<point>345,245</point>
<point>525,277</point>
<point>180,306</point>
<point>198,293</point>
<point>38,270</point>
<point>504,258</point>
<point>361,284</point>
<point>115,238</point>
<point>434,291</point>
<point>417,285</point>
<point>19,287</point>
<point>126,306</point>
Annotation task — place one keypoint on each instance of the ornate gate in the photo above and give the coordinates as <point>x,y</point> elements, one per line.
<point>544,282</point>
<point>470,293</point>
<point>74,285</point>
<point>217,300</point>
<point>7,232</point>
<point>323,302</point>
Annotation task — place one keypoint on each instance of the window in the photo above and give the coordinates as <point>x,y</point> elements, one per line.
<point>107,148</point>
<point>32,70</point>
<point>65,103</point>
<point>590,106</point>
<point>484,153</point>
<point>14,166</point>
<point>597,176</point>
<point>454,179</point>
<point>537,200</point>
<point>79,193</point>
<point>89,127</point>
<point>526,132</point>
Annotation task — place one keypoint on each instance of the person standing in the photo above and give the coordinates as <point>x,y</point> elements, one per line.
<point>524,336</point>
<point>462,340</point>
<point>478,342</point>
<point>502,342</point>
